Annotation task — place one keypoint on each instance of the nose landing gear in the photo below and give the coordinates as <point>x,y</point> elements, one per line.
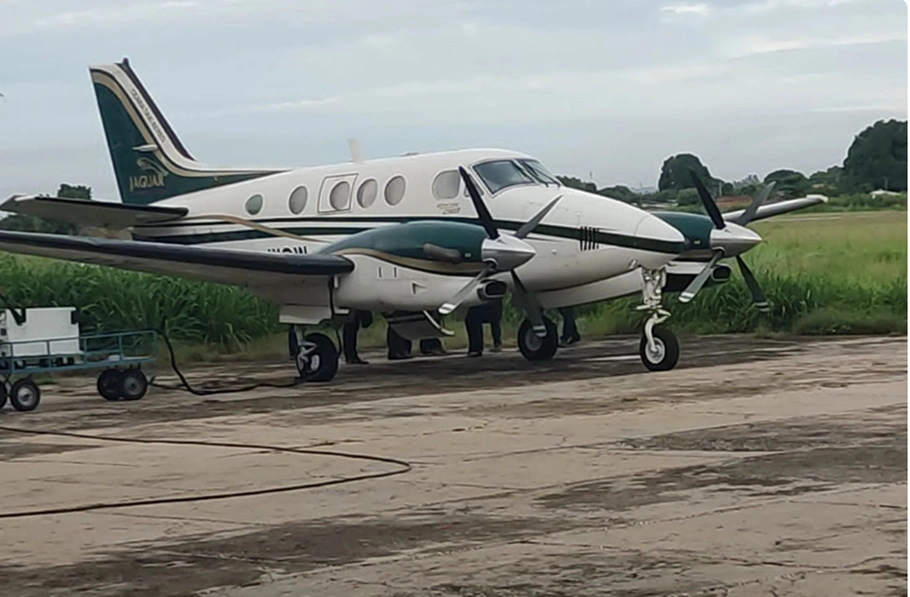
<point>659,348</point>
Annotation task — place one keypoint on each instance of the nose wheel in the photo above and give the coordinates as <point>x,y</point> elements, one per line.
<point>659,348</point>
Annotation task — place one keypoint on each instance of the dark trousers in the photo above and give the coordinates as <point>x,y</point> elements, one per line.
<point>399,346</point>
<point>569,330</point>
<point>349,333</point>
<point>293,347</point>
<point>494,318</point>
<point>473,323</point>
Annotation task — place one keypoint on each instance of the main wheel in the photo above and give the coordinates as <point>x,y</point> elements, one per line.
<point>110,384</point>
<point>317,359</point>
<point>25,395</point>
<point>133,384</point>
<point>666,350</point>
<point>532,346</point>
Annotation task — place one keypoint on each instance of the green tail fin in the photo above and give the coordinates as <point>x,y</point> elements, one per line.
<point>150,163</point>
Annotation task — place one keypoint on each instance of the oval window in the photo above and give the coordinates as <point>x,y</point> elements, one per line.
<point>340,196</point>
<point>366,194</point>
<point>254,204</point>
<point>446,184</point>
<point>297,200</point>
<point>394,190</point>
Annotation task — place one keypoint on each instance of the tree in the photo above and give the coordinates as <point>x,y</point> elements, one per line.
<point>790,183</point>
<point>674,174</point>
<point>877,158</point>
<point>26,223</point>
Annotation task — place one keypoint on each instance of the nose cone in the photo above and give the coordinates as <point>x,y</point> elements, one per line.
<point>734,239</point>
<point>507,252</point>
<point>659,236</point>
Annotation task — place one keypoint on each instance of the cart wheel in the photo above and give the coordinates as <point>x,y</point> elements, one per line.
<point>133,384</point>
<point>25,395</point>
<point>110,384</point>
<point>4,394</point>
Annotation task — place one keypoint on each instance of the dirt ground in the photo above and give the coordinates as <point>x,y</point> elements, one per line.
<point>756,467</point>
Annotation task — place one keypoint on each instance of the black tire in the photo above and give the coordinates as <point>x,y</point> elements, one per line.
<point>320,365</point>
<point>25,395</point>
<point>4,393</point>
<point>667,350</point>
<point>110,384</point>
<point>133,384</point>
<point>532,346</point>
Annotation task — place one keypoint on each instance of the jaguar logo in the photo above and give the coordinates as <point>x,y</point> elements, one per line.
<point>152,176</point>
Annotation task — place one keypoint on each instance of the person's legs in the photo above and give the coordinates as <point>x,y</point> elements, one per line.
<point>399,347</point>
<point>495,309</point>
<point>473,323</point>
<point>349,340</point>
<point>569,330</point>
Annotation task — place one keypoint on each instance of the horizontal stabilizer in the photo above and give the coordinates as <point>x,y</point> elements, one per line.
<point>776,209</point>
<point>84,212</point>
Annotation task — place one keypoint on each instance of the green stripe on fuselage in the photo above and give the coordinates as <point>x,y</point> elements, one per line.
<point>345,227</point>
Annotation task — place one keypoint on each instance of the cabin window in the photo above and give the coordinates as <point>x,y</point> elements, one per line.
<point>297,200</point>
<point>446,184</point>
<point>394,190</point>
<point>500,174</point>
<point>367,192</point>
<point>254,204</point>
<point>341,195</point>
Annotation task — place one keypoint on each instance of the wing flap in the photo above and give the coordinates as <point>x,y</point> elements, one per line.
<point>84,212</point>
<point>267,273</point>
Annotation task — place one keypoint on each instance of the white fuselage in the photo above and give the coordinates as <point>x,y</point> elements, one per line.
<point>586,239</point>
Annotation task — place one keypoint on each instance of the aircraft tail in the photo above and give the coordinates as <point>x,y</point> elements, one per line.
<point>150,163</point>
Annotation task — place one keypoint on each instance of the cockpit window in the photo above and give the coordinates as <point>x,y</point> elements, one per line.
<point>500,174</point>
<point>538,171</point>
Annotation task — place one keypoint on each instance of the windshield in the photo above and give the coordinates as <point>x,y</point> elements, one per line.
<point>501,174</point>
<point>538,171</point>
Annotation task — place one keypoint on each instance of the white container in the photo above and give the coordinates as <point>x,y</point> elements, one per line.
<point>45,331</point>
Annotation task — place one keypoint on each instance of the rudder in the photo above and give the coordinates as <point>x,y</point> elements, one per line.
<point>150,163</point>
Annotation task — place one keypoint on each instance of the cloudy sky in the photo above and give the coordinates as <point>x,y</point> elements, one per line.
<point>609,87</point>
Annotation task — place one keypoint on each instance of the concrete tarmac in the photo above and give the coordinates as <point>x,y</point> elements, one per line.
<point>757,467</point>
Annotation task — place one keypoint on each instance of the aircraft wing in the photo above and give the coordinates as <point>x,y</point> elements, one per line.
<point>781,207</point>
<point>84,212</point>
<point>265,274</point>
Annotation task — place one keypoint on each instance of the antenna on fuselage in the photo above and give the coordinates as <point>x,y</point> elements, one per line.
<point>356,154</point>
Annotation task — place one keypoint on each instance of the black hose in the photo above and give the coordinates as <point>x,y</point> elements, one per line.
<point>403,467</point>
<point>186,385</point>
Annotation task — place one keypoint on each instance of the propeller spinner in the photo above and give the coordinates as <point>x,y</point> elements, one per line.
<point>503,253</point>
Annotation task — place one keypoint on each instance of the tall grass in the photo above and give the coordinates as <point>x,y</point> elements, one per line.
<point>822,273</point>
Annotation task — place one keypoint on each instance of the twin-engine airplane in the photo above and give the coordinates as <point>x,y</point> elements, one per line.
<point>411,237</point>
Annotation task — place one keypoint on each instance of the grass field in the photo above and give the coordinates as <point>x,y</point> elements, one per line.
<point>823,273</point>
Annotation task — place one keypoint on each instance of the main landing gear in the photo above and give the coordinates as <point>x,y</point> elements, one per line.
<point>317,357</point>
<point>659,348</point>
<point>534,347</point>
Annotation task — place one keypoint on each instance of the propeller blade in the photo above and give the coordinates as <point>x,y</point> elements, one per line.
<point>479,206</point>
<point>695,285</point>
<point>442,253</point>
<point>531,224</point>
<point>758,297</point>
<point>708,202</point>
<point>750,212</point>
<point>530,306</point>
<point>463,293</point>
